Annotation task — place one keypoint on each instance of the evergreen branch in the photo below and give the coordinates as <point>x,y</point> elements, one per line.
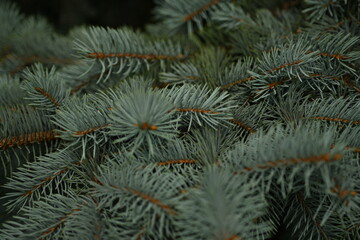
<point>30,181</point>
<point>74,121</point>
<point>230,17</point>
<point>212,108</point>
<point>47,95</point>
<point>346,193</point>
<point>180,17</point>
<point>238,73</point>
<point>44,88</point>
<point>237,82</point>
<point>284,65</point>
<point>215,211</point>
<point>90,130</point>
<point>253,36</point>
<point>342,193</point>
<point>318,9</point>
<point>349,83</point>
<point>174,155</point>
<point>128,50</point>
<point>211,145</point>
<point>81,85</point>
<point>147,198</point>
<point>312,159</point>
<point>177,161</point>
<point>339,46</point>
<point>336,56</point>
<point>87,223</point>
<point>353,149</point>
<point>274,84</point>
<point>196,110</point>
<point>334,110</point>
<point>262,91</point>
<point>120,227</point>
<point>79,78</point>
<point>331,25</point>
<point>100,55</point>
<point>27,138</point>
<point>336,120</point>
<point>182,72</point>
<point>51,216</point>
<point>319,216</point>
<point>272,62</point>
<point>190,16</point>
<point>30,119</point>
<point>249,118</point>
<point>289,160</point>
<point>334,46</point>
<point>142,193</point>
<point>242,125</point>
<point>205,67</point>
<point>61,221</point>
<point>324,44</point>
<point>142,117</point>
<point>324,76</point>
<point>310,214</point>
<point>22,126</point>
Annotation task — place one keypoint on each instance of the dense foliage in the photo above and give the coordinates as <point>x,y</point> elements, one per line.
<point>224,120</point>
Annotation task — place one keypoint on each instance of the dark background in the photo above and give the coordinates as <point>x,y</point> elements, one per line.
<point>64,14</point>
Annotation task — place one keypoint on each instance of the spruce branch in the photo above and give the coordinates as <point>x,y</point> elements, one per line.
<point>44,88</point>
<point>186,16</point>
<point>315,228</point>
<point>143,117</point>
<point>50,216</point>
<point>249,118</point>
<point>339,46</point>
<point>123,51</point>
<point>238,73</point>
<point>207,67</point>
<point>142,193</point>
<point>210,144</point>
<point>291,60</point>
<point>230,16</point>
<point>201,104</point>
<point>289,161</point>
<point>173,155</point>
<point>341,111</point>
<point>86,222</point>
<point>318,9</point>
<point>76,127</point>
<point>217,211</point>
<point>35,127</point>
<point>47,174</point>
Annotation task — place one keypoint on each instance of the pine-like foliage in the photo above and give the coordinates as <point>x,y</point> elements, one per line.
<point>224,120</point>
